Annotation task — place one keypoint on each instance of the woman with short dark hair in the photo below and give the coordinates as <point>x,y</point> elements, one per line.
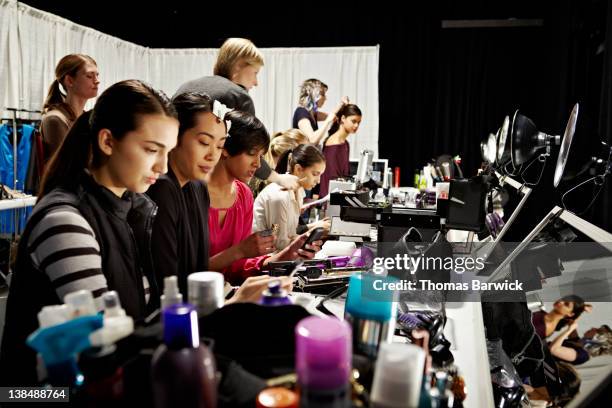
<point>234,249</point>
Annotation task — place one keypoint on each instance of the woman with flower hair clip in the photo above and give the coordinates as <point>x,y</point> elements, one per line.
<point>180,238</point>
<point>313,94</point>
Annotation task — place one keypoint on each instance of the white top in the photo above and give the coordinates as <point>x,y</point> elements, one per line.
<point>275,206</point>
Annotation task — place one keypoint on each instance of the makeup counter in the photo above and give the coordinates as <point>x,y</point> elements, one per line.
<point>347,336</point>
<point>335,341</point>
<point>331,343</point>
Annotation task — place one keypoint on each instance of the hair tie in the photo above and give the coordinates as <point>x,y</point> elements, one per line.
<point>289,160</point>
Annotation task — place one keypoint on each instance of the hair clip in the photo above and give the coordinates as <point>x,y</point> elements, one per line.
<point>220,110</point>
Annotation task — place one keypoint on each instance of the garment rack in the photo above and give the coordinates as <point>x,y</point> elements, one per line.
<point>14,119</point>
<point>17,205</point>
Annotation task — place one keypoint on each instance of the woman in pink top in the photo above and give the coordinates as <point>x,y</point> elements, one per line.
<point>233,249</point>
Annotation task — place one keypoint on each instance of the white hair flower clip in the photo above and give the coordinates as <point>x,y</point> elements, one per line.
<point>220,110</point>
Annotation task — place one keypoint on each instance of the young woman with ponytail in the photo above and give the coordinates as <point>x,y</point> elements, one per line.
<point>76,81</point>
<point>276,206</point>
<point>91,226</point>
<point>336,148</point>
<point>279,144</point>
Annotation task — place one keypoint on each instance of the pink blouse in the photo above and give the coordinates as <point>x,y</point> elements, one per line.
<point>236,227</point>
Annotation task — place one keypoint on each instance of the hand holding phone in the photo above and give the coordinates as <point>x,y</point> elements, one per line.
<point>315,235</point>
<point>256,244</point>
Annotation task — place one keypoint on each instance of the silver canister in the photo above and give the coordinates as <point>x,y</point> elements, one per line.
<point>368,335</point>
<point>205,291</point>
<point>370,312</point>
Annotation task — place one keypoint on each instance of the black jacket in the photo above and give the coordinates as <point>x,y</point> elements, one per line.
<point>180,231</point>
<point>122,227</point>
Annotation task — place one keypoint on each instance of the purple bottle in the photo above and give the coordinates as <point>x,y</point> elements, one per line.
<point>323,362</point>
<point>183,370</point>
<point>275,295</point>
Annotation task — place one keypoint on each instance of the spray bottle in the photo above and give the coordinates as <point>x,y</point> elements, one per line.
<point>103,374</point>
<point>171,295</point>
<point>59,344</point>
<point>275,295</point>
<point>183,370</point>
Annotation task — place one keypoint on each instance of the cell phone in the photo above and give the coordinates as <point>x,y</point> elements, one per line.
<point>289,265</point>
<point>284,268</point>
<point>315,235</point>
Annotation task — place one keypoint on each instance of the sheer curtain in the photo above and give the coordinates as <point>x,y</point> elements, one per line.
<point>32,41</point>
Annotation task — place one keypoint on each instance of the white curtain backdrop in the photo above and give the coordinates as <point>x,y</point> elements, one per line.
<point>33,41</point>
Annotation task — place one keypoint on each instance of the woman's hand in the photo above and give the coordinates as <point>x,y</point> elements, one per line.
<point>286,181</point>
<point>253,287</point>
<point>572,326</point>
<point>256,245</point>
<point>325,223</point>
<point>344,101</point>
<point>294,250</point>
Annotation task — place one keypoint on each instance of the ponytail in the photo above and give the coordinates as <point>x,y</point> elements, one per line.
<point>282,166</point>
<point>305,155</point>
<point>55,100</point>
<point>73,155</point>
<point>334,128</point>
<point>54,96</point>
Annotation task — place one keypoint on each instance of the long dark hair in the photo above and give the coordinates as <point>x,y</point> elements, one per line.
<point>579,307</point>
<point>305,155</point>
<point>118,109</point>
<point>68,65</point>
<point>246,133</point>
<point>188,105</point>
<point>347,110</point>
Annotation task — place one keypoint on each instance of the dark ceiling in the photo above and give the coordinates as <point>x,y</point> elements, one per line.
<point>185,24</point>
